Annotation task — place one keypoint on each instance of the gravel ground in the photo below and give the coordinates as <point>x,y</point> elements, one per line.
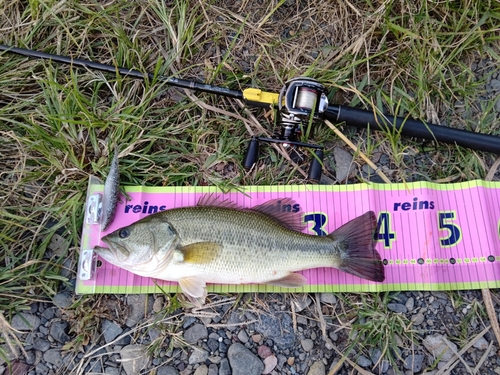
<point>261,334</point>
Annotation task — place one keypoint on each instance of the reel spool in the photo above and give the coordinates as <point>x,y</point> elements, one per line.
<point>302,97</point>
<point>298,100</point>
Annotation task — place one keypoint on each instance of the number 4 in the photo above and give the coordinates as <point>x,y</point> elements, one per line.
<point>454,231</point>
<point>384,231</point>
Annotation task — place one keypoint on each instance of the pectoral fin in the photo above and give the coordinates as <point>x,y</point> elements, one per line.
<point>292,280</point>
<point>200,252</point>
<point>195,289</point>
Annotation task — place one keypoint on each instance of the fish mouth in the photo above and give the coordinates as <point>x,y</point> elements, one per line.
<point>114,251</point>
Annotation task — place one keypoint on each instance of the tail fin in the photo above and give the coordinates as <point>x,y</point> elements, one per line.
<point>359,255</point>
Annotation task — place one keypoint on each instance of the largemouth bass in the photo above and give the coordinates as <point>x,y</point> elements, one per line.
<point>217,242</point>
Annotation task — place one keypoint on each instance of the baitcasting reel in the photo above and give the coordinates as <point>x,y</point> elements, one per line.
<point>301,100</point>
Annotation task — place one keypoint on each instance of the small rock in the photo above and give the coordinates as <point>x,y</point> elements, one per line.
<point>243,361</point>
<point>438,348</point>
<point>53,356</point>
<point>256,338</point>
<point>134,358</point>
<point>410,304</point>
<point>30,357</point>
<point>125,339</point>
<point>495,84</point>
<point>264,351</point>
<point>363,361</point>
<point>202,370</point>
<point>269,364</point>
<point>195,333</point>
<point>58,244</point>
<point>95,367</point>
<point>384,365</point>
<point>206,320</point>
<point>307,344</point>
<point>167,370</point>
<point>290,361</point>
<point>481,344</point>
<point>281,360</point>
<point>154,333</point>
<point>41,344</point>
<point>414,362</point>
<point>158,304</point>
<point>137,308</point>
<point>213,345</point>
<point>49,313</point>
<point>58,332</point>
<point>198,356</point>
<point>333,336</point>
<point>233,321</point>
<point>343,164</point>
<point>418,319</point>
<point>223,347</point>
<point>302,302</point>
<point>113,371</point>
<point>213,369</point>
<point>25,322</point>
<point>328,298</point>
<point>188,321</point>
<point>110,330</point>
<point>41,369</point>
<point>397,307</point>
<point>302,320</point>
<point>215,359</point>
<point>224,368</point>
<point>242,336</point>
<point>375,355</point>
<point>317,368</point>
<point>63,300</point>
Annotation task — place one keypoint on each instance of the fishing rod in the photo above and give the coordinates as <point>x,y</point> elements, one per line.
<point>300,99</point>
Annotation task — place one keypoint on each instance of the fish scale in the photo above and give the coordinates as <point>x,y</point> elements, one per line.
<point>250,237</point>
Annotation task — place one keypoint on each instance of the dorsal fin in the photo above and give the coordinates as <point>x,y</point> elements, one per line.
<point>285,211</point>
<point>213,200</point>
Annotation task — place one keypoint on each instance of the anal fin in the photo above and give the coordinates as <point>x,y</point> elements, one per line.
<point>292,280</point>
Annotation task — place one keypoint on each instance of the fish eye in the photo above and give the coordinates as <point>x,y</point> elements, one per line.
<point>124,233</point>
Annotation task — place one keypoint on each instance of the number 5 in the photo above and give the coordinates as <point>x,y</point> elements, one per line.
<point>454,235</point>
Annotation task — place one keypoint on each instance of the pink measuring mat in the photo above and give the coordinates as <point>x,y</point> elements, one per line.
<point>431,236</point>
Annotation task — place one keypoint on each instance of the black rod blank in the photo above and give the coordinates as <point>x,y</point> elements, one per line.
<point>123,71</point>
<point>413,128</point>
